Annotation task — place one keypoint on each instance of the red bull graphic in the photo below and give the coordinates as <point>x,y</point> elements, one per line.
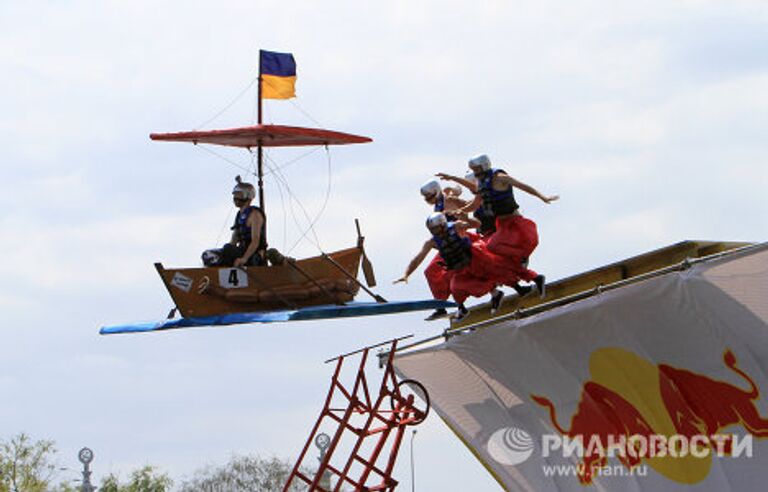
<point>603,414</point>
<point>670,418</point>
<point>701,405</point>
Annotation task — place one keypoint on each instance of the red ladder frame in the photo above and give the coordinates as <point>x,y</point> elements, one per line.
<point>381,425</point>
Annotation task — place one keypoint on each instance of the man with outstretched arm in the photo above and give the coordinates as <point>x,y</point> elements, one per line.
<point>516,236</point>
<point>474,270</point>
<point>438,277</point>
<point>484,224</point>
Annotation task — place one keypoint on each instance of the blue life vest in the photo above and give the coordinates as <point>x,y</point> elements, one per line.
<point>440,203</point>
<point>455,250</point>
<point>243,230</point>
<point>440,207</point>
<point>495,202</point>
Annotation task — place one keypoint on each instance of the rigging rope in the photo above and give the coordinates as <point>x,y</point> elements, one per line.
<point>282,198</point>
<point>275,170</point>
<point>279,176</point>
<point>285,216</point>
<point>224,225</point>
<point>225,159</point>
<point>231,103</point>
<point>255,106</point>
<point>296,105</point>
<point>292,161</point>
<point>322,209</point>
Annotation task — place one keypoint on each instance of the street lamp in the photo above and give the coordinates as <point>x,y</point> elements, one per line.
<point>413,468</point>
<point>322,441</point>
<point>86,456</point>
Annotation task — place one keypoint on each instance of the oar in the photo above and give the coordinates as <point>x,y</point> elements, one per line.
<point>370,278</point>
<point>333,262</point>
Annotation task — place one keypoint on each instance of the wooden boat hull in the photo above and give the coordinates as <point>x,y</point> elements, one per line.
<point>312,281</point>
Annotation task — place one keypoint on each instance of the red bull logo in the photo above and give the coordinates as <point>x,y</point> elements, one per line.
<point>671,419</point>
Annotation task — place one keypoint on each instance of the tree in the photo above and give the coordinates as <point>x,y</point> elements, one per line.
<point>65,487</point>
<point>25,465</point>
<point>243,474</point>
<point>146,479</point>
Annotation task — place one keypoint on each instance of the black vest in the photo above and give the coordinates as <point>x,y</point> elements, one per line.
<point>456,251</point>
<point>487,222</point>
<point>243,230</point>
<point>495,202</point>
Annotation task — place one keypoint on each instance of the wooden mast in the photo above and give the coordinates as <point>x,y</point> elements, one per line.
<point>260,159</point>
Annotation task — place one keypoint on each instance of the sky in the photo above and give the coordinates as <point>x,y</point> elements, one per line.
<point>649,119</point>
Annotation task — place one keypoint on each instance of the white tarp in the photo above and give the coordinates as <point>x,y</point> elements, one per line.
<point>677,363</point>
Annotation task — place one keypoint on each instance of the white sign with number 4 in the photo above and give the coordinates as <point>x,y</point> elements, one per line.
<point>233,278</point>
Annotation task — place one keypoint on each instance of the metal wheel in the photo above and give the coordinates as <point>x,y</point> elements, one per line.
<point>411,386</point>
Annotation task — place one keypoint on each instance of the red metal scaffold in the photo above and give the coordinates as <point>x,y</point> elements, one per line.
<point>381,427</point>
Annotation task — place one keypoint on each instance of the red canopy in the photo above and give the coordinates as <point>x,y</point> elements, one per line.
<point>266,135</point>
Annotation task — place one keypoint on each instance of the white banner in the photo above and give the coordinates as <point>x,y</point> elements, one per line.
<point>658,385</point>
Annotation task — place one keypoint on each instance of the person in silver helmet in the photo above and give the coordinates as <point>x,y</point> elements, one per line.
<point>515,237</point>
<point>473,270</point>
<point>438,277</point>
<point>443,200</point>
<point>247,245</point>
<point>484,223</point>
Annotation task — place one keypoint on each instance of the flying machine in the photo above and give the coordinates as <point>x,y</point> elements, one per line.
<point>318,287</point>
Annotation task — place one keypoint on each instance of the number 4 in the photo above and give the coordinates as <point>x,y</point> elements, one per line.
<point>233,277</point>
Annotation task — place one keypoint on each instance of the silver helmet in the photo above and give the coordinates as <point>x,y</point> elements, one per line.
<point>431,188</point>
<point>243,190</point>
<point>480,163</point>
<point>435,220</point>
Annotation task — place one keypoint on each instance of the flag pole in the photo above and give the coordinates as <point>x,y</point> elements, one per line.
<point>260,159</point>
<point>259,151</point>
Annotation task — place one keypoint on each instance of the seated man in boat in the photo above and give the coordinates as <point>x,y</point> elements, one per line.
<point>248,245</point>
<point>516,236</point>
<point>473,270</point>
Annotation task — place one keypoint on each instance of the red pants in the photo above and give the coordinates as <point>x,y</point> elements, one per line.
<point>486,271</point>
<point>482,275</point>
<point>465,284</point>
<point>515,239</point>
<point>439,278</point>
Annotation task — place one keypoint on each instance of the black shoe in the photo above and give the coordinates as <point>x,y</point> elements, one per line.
<point>437,314</point>
<point>522,290</point>
<point>496,299</point>
<point>461,313</point>
<point>541,286</point>
<point>274,257</point>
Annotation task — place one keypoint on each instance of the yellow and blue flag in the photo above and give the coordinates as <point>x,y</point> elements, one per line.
<point>278,75</point>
